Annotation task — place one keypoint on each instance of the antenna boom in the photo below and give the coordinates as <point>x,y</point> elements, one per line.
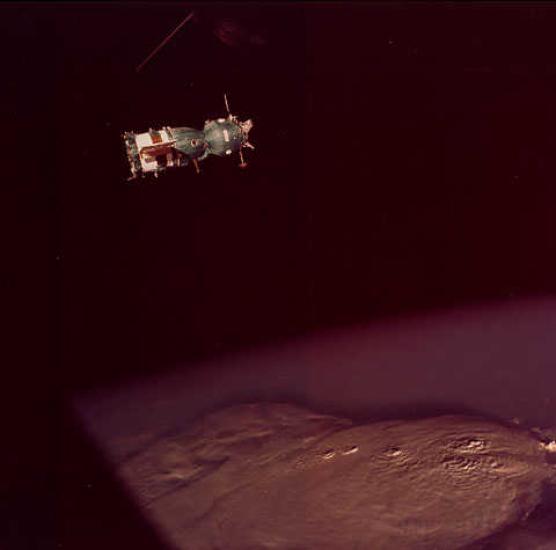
<point>164,42</point>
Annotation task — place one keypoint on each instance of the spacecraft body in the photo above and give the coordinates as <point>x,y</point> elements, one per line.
<point>223,136</point>
<point>157,150</point>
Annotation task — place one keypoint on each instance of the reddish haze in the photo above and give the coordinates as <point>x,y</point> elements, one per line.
<point>497,360</point>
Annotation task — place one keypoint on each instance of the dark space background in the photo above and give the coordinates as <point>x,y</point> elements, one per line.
<point>404,162</point>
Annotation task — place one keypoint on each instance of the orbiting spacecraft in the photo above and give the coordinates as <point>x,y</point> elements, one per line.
<point>155,151</point>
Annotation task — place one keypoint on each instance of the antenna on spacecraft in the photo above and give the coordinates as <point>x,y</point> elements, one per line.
<point>227,106</point>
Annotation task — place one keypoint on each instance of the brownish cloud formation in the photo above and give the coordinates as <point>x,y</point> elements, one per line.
<point>279,476</point>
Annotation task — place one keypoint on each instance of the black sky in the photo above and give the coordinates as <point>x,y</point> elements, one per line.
<point>404,161</point>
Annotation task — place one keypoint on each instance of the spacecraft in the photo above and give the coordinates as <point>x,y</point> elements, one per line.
<point>155,151</point>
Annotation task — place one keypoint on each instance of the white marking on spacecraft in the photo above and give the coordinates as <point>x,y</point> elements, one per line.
<point>154,151</point>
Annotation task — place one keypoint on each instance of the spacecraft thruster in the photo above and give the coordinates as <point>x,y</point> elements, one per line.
<point>157,150</point>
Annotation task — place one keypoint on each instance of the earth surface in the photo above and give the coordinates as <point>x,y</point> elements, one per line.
<point>426,433</point>
<point>278,476</point>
